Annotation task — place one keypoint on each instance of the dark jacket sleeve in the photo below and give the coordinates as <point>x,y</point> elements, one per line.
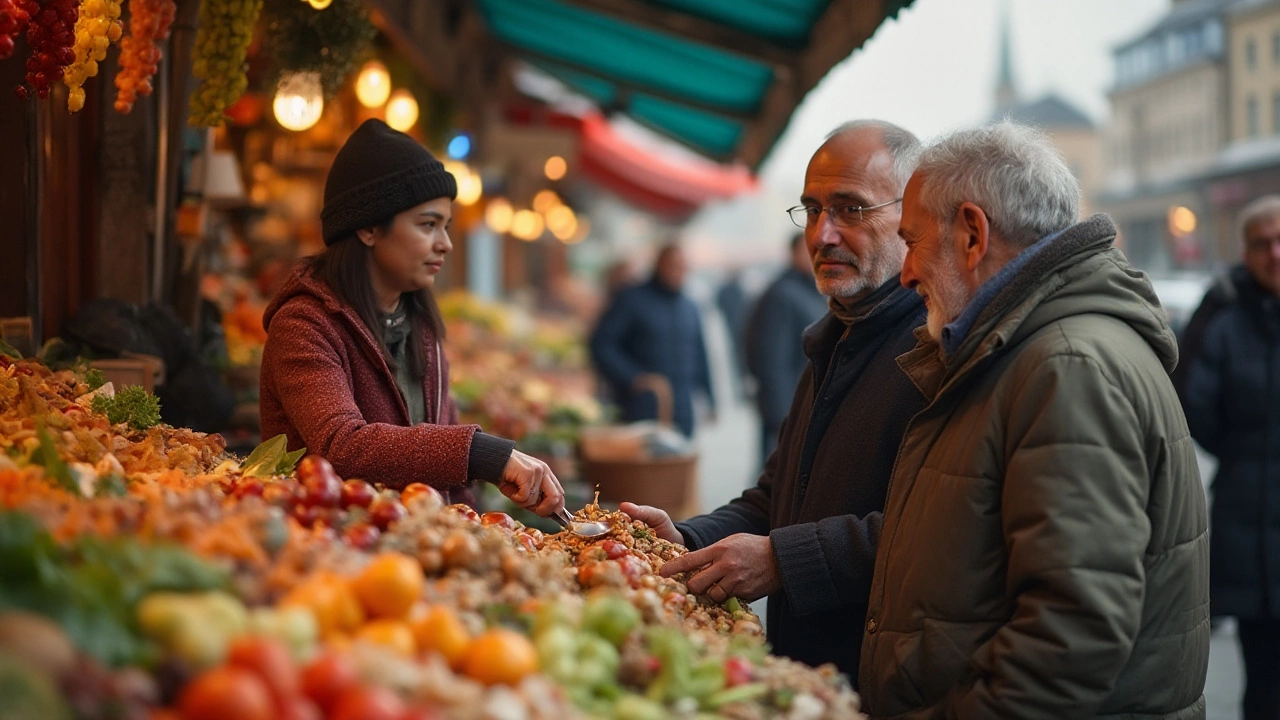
<point>607,342</point>
<point>1202,392</point>
<point>827,565</point>
<point>1192,340</point>
<point>315,393</point>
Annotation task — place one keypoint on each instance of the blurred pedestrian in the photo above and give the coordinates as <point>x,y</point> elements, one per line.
<point>1231,395</point>
<point>654,329</point>
<point>774,351</point>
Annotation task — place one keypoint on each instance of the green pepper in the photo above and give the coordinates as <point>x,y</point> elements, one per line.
<point>611,617</point>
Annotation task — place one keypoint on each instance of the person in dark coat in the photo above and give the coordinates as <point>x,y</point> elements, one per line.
<point>1232,400</point>
<point>774,353</point>
<point>353,368</point>
<point>654,329</point>
<point>806,533</point>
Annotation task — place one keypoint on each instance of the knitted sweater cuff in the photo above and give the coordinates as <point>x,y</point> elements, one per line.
<point>803,567</point>
<point>489,456</point>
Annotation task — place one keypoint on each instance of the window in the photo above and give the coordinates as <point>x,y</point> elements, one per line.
<point>1275,113</point>
<point>1251,116</point>
<point>1251,54</point>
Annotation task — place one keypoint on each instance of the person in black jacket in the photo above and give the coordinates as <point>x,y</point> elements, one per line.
<point>806,533</point>
<point>654,328</point>
<point>1231,395</point>
<point>775,356</point>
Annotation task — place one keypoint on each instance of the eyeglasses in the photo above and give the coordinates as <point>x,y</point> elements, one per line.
<point>841,215</point>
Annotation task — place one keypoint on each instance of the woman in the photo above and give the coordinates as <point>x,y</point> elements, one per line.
<point>353,368</point>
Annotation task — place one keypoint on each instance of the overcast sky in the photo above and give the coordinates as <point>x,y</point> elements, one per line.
<point>933,70</point>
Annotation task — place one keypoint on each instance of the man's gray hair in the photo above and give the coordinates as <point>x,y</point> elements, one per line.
<point>1011,171</point>
<point>1267,206</point>
<point>903,146</point>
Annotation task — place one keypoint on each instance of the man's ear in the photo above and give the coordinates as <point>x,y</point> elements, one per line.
<point>367,236</point>
<point>973,236</point>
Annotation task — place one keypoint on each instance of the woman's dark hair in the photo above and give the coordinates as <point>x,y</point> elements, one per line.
<point>344,267</point>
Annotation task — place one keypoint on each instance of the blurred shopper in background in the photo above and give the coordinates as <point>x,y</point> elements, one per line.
<point>1231,394</point>
<point>654,329</point>
<point>772,338</point>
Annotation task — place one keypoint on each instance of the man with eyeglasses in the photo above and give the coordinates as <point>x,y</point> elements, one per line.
<point>1231,394</point>
<point>806,534</point>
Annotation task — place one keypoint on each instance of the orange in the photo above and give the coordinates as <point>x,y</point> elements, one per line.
<point>390,585</point>
<point>331,600</point>
<point>393,634</point>
<point>440,630</point>
<point>500,656</point>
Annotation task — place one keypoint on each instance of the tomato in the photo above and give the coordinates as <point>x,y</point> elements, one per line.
<point>362,536</point>
<point>394,635</point>
<point>531,536</point>
<point>270,661</point>
<point>328,677</point>
<point>604,572</point>
<point>385,512</point>
<point>420,713</point>
<point>248,487</point>
<point>281,494</point>
<point>633,568</point>
<point>226,692</point>
<point>441,631</point>
<point>412,491</point>
<point>501,657</point>
<point>390,585</point>
<point>368,703</point>
<point>500,519</point>
<point>300,708</point>
<point>320,488</point>
<point>738,671</point>
<point>613,549</point>
<point>357,493</point>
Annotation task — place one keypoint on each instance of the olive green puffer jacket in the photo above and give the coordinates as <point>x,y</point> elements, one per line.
<point>1045,549</point>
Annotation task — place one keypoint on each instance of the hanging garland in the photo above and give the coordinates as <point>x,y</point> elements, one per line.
<point>97,27</point>
<point>218,58</point>
<point>51,35</point>
<point>329,42</point>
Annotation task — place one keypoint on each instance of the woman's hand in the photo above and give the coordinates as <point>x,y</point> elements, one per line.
<point>531,484</point>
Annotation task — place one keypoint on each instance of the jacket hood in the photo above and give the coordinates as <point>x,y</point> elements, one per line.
<point>303,284</point>
<point>1079,273</point>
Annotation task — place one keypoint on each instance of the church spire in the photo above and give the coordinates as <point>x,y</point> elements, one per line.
<point>1006,93</point>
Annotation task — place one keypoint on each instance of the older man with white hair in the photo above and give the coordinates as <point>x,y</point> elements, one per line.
<point>1044,551</point>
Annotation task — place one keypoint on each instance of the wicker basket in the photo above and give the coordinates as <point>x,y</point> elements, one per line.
<point>670,483</point>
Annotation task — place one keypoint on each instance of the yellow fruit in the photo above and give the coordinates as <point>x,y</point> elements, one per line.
<point>440,630</point>
<point>393,634</point>
<point>390,585</point>
<point>500,657</point>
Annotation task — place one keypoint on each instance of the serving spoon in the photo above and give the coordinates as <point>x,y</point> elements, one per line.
<point>579,527</point>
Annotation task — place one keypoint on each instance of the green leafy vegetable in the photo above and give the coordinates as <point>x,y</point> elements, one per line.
<point>95,379</point>
<point>90,586</point>
<point>270,458</point>
<point>132,405</point>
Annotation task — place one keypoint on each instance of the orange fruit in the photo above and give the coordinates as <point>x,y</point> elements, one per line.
<point>393,634</point>
<point>331,600</point>
<point>500,657</point>
<point>390,585</point>
<point>440,630</point>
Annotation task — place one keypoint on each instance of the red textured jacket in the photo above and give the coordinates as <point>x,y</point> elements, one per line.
<point>326,385</point>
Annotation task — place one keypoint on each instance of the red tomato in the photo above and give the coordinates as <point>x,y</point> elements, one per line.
<point>226,692</point>
<point>368,703</point>
<point>362,536</point>
<point>417,490</point>
<point>633,568</point>
<point>384,512</point>
<point>738,671</point>
<point>500,519</point>
<point>420,713</point>
<point>328,677</point>
<point>270,661</point>
<point>300,708</point>
<point>357,493</point>
<point>613,549</point>
<point>248,487</point>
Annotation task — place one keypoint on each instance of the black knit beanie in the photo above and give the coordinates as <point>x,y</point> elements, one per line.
<point>379,173</point>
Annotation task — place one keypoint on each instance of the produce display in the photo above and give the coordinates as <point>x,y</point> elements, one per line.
<point>149,24</point>
<point>522,380</point>
<point>97,26</point>
<point>149,574</point>
<point>219,55</point>
<point>51,36</point>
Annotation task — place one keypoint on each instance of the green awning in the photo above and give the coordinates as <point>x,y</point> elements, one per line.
<point>721,76</point>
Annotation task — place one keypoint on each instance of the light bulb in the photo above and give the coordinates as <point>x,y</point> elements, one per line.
<point>299,101</point>
<point>319,4</point>
<point>527,225</point>
<point>545,200</point>
<point>562,222</point>
<point>373,85</point>
<point>498,216</point>
<point>402,110</point>
<point>555,167</point>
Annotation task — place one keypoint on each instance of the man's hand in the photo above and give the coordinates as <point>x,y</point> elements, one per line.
<point>740,566</point>
<point>657,519</point>
<point>531,484</point>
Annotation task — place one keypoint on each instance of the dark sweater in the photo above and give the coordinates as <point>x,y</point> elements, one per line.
<point>822,492</point>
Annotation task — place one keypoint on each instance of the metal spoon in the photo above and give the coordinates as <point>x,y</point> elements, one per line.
<point>577,527</point>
